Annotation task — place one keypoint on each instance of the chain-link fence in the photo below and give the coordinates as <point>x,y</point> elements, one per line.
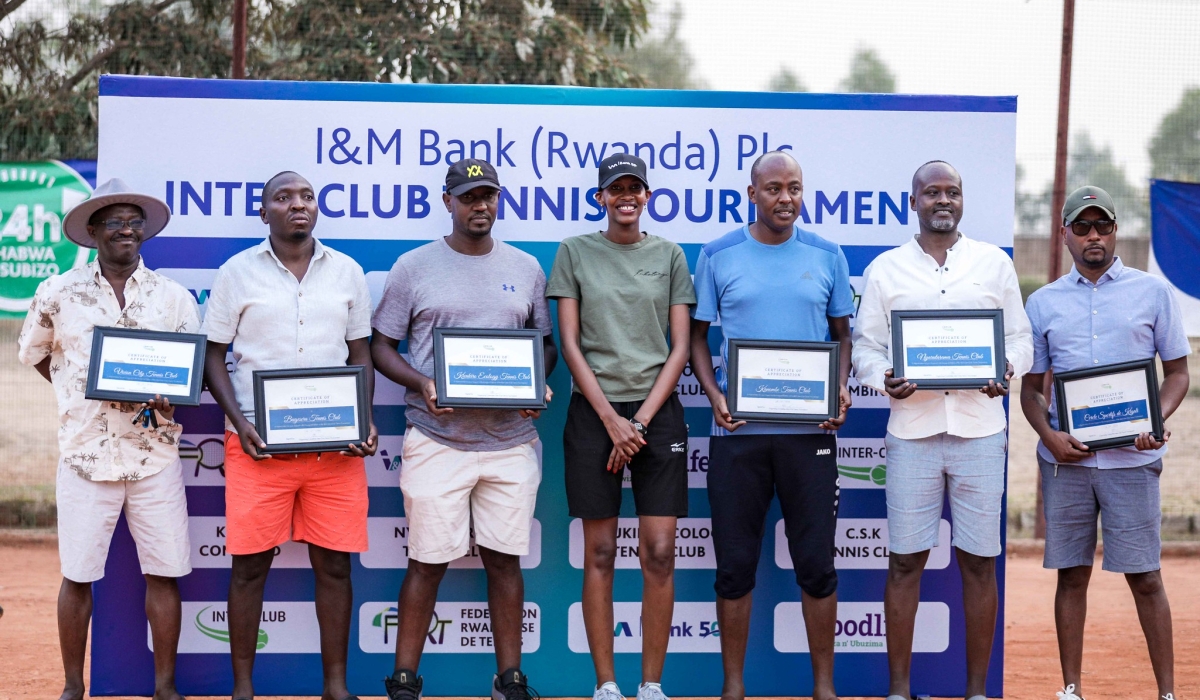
<point>1135,102</point>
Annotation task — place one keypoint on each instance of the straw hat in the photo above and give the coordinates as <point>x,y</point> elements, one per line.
<point>115,191</point>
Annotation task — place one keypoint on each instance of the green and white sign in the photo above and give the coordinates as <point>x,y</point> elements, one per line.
<point>34,197</point>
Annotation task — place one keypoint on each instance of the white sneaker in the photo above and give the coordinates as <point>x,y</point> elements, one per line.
<point>608,691</point>
<point>651,691</point>
<point>1068,693</point>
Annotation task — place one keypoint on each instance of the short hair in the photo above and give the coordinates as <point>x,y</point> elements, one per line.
<point>929,163</point>
<point>96,219</point>
<point>269,186</point>
<point>754,168</point>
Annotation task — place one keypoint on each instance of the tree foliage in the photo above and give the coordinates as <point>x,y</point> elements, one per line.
<point>785,80</point>
<point>662,58</point>
<point>49,75</point>
<point>868,73</point>
<point>1175,148</point>
<point>1087,164</point>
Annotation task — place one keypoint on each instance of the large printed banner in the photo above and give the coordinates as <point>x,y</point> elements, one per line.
<point>377,155</point>
<point>1175,244</point>
<point>34,197</point>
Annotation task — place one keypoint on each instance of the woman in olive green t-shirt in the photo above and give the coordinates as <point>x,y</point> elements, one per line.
<point>621,293</point>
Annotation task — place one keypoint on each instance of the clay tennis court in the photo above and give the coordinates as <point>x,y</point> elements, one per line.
<point>1115,661</point>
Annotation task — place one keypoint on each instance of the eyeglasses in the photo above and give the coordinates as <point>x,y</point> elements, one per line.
<point>1083,226</point>
<point>117,224</point>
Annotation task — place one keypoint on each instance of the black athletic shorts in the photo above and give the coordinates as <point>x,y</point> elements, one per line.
<point>744,473</point>
<point>658,470</point>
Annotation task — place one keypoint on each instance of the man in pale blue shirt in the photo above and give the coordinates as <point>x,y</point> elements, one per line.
<point>1103,313</point>
<point>772,280</point>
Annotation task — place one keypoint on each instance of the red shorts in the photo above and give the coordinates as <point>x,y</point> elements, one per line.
<point>320,499</point>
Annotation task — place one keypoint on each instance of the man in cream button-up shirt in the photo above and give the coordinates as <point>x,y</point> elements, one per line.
<point>289,303</point>
<point>938,440</point>
<point>108,465</point>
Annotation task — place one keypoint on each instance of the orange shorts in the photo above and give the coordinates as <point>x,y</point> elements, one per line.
<point>318,499</point>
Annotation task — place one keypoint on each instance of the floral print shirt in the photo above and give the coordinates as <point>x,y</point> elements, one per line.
<point>97,439</point>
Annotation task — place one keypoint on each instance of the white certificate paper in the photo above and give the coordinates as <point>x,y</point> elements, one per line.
<point>1110,406</point>
<point>311,409</point>
<point>782,381</point>
<point>489,368</point>
<point>948,348</point>
<point>139,365</point>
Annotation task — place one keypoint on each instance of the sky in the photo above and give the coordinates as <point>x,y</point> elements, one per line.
<point>1133,58</point>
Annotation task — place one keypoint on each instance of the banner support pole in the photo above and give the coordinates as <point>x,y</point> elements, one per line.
<point>238,71</point>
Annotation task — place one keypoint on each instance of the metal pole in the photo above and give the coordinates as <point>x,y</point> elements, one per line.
<point>239,40</point>
<point>1062,141</point>
<point>1059,196</point>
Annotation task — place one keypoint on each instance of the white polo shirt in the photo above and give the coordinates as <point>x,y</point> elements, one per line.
<point>277,322</point>
<point>976,275</point>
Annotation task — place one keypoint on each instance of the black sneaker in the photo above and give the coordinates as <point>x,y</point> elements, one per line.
<point>404,685</point>
<point>513,685</point>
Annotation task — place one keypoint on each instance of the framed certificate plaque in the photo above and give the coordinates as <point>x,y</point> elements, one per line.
<point>133,365</point>
<point>1110,405</point>
<point>783,381</point>
<point>489,368</point>
<point>949,348</point>
<point>319,409</point>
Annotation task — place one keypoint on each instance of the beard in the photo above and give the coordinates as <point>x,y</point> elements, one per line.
<point>942,225</point>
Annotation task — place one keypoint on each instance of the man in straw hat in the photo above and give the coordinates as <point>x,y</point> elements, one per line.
<point>107,463</point>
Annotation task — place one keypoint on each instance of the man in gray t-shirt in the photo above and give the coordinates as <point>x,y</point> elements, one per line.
<point>462,466</point>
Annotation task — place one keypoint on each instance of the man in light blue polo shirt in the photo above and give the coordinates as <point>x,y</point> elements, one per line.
<point>1099,314</point>
<point>771,280</point>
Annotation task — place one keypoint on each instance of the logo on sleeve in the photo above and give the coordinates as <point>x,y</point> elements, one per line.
<point>509,287</point>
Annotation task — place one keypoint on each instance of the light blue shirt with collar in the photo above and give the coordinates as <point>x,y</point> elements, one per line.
<point>1126,315</point>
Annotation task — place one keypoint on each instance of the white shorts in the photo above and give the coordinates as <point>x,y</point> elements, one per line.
<point>445,489</point>
<point>155,509</point>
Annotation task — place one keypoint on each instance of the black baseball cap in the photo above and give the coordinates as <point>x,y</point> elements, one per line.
<point>619,165</point>
<point>469,173</point>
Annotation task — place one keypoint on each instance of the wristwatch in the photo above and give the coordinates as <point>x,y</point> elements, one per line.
<point>638,427</point>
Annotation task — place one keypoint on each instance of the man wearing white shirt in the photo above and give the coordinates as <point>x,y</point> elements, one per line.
<point>941,441</point>
<point>287,303</point>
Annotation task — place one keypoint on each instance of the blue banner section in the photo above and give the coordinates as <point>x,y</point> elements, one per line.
<point>488,375</point>
<point>85,168</point>
<point>948,357</point>
<point>140,86</point>
<point>1175,221</point>
<point>1110,413</point>
<point>150,374</point>
<point>308,418</point>
<point>795,389</point>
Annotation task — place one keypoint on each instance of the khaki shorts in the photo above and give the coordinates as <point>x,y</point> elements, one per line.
<point>446,490</point>
<point>155,510</point>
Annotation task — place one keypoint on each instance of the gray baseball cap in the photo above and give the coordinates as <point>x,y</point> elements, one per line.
<point>1084,197</point>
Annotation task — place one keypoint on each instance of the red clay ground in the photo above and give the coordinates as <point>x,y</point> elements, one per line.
<point>1115,663</point>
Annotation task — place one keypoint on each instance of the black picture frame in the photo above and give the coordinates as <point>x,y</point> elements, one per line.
<point>536,338</point>
<point>832,394</point>
<point>999,360</point>
<point>1156,419</point>
<point>195,380</point>
<point>363,409</point>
